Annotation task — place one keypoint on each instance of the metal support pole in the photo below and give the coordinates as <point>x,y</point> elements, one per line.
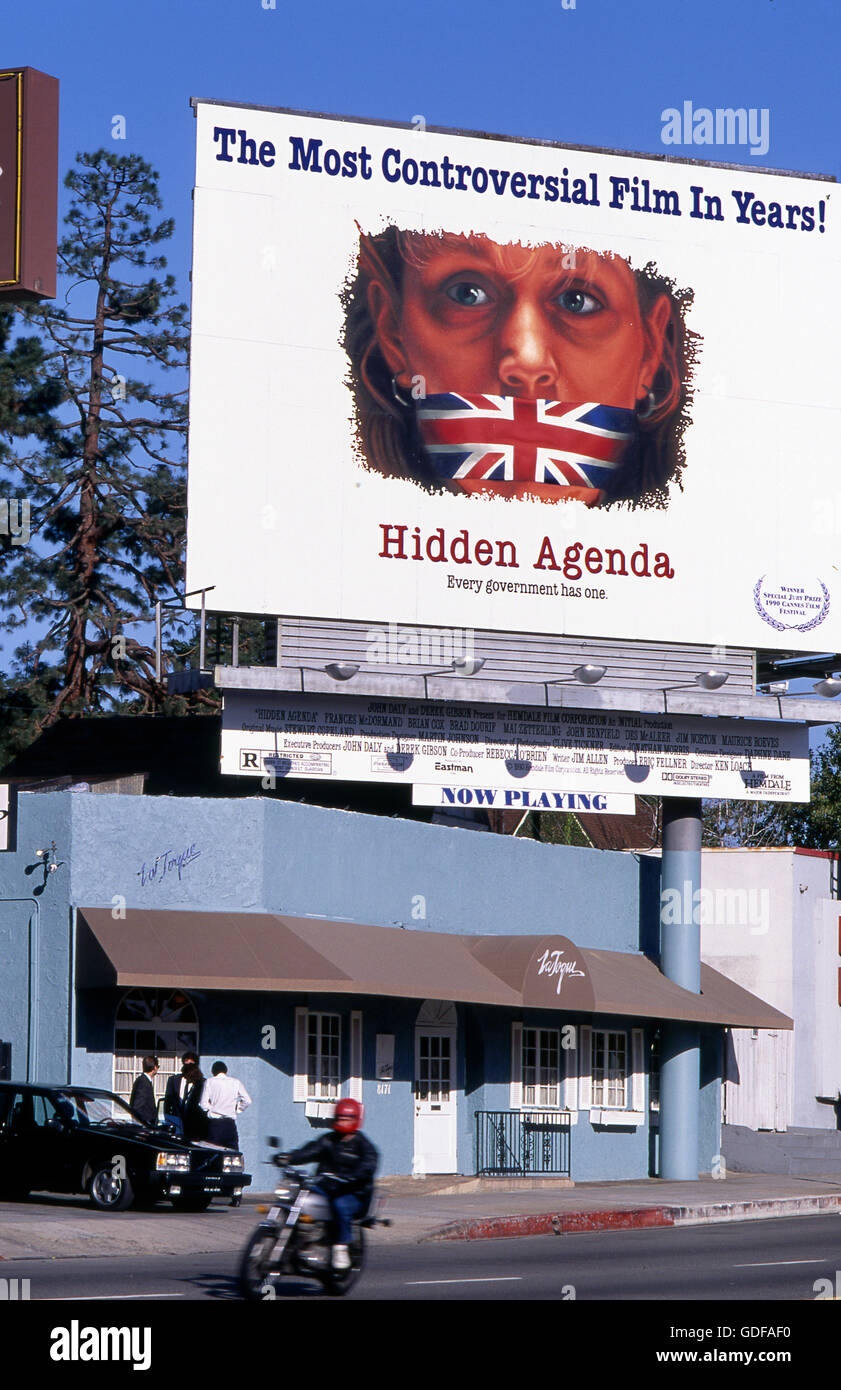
<point>202,632</point>
<point>680,960</point>
<point>235,644</point>
<point>158,642</point>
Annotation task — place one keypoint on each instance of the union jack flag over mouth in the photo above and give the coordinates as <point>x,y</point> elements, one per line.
<point>481,440</point>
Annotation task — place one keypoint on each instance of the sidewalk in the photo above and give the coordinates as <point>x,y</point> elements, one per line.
<point>474,1208</point>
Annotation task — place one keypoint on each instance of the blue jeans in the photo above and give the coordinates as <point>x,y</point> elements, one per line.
<point>344,1209</point>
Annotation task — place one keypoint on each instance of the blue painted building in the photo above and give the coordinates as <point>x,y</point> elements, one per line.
<point>324,953</point>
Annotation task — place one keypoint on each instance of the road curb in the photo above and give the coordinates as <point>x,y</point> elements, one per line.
<point>564,1223</point>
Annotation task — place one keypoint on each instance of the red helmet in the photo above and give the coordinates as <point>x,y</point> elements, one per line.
<point>347,1116</point>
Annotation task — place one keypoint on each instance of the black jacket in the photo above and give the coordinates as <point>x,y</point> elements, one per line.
<point>173,1104</point>
<point>353,1159</point>
<point>194,1118</point>
<point>143,1101</point>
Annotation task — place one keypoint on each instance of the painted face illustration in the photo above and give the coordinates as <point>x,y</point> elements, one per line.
<point>516,321</point>
<point>522,370</point>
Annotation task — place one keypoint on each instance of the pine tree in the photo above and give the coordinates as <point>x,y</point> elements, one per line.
<point>107,487</point>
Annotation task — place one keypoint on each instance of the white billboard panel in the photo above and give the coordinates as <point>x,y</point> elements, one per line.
<point>440,744</point>
<point>448,379</point>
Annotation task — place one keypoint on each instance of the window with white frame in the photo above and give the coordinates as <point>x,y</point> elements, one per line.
<point>541,1067</point>
<point>544,1068</point>
<point>318,1056</point>
<point>324,1035</point>
<point>610,1070</point>
<point>152,1022</point>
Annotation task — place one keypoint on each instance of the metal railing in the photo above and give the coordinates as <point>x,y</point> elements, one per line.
<point>518,1143</point>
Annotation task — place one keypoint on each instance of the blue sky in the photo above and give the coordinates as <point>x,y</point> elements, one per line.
<point>590,72</point>
<point>600,73</point>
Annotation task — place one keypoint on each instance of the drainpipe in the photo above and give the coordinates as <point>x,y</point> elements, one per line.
<point>33,948</point>
<point>680,960</point>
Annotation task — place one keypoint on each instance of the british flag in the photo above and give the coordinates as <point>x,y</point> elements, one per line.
<point>504,439</point>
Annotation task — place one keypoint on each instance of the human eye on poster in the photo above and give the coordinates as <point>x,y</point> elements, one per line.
<point>458,380</point>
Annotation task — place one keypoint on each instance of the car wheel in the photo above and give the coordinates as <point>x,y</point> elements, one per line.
<point>110,1193</point>
<point>192,1201</point>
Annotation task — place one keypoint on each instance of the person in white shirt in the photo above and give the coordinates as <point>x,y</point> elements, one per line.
<point>223,1098</point>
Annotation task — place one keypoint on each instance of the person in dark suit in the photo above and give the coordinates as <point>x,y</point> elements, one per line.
<point>194,1118</point>
<point>142,1100</point>
<point>175,1095</point>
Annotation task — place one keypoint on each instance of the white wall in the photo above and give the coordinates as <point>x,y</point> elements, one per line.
<point>769,924</point>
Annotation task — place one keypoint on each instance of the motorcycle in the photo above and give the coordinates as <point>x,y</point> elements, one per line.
<point>295,1238</point>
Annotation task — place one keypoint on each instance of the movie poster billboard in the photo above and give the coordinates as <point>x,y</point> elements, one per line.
<point>449,379</point>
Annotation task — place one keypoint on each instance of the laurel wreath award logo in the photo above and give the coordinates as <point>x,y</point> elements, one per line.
<point>791,606</point>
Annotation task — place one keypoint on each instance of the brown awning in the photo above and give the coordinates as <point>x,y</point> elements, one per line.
<point>308,955</point>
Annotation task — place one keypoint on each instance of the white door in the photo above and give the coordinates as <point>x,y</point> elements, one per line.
<point>435,1097</point>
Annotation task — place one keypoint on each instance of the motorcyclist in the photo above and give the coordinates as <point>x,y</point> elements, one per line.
<point>347,1162</point>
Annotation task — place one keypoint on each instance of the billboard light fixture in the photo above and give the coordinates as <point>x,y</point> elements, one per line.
<point>828,688</point>
<point>459,666</point>
<point>588,674</point>
<point>467,665</point>
<point>341,670</point>
<point>705,680</point>
<point>582,675</point>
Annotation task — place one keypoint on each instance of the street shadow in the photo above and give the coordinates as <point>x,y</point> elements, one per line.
<point>226,1288</point>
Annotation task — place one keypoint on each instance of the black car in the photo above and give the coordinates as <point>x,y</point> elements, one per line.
<point>79,1139</point>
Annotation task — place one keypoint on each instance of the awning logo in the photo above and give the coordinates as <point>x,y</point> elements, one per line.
<point>550,963</point>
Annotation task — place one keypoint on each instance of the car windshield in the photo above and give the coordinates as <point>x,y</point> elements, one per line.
<point>88,1109</point>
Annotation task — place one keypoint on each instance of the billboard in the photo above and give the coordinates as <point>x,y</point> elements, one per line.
<point>28,184</point>
<point>449,379</point>
<point>535,750</point>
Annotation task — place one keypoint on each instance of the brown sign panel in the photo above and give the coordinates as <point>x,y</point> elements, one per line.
<point>28,184</point>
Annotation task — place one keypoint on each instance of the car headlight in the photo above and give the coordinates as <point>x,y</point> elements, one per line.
<point>232,1163</point>
<point>177,1162</point>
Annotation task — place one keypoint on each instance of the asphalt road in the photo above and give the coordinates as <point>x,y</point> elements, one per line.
<point>780,1260</point>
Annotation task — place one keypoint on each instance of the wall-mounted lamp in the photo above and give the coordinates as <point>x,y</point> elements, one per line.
<point>48,863</point>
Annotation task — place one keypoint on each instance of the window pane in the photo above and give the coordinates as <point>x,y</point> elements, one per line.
<point>540,1054</point>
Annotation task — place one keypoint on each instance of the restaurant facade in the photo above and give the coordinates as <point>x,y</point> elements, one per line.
<point>495,1003</point>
